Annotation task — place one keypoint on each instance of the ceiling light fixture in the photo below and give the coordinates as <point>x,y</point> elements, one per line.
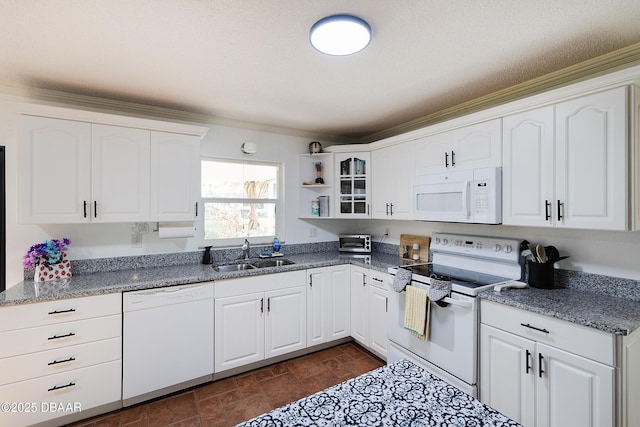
<point>340,35</point>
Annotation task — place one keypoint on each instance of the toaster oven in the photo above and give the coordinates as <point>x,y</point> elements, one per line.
<point>355,243</point>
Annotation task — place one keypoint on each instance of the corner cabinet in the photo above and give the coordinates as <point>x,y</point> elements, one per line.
<point>565,165</point>
<point>392,181</point>
<point>353,184</point>
<point>74,172</point>
<point>316,175</point>
<point>538,370</point>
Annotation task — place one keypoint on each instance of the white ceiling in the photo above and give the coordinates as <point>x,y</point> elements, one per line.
<point>250,60</point>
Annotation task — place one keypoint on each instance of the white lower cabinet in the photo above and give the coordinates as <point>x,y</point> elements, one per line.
<point>542,372</point>
<point>328,304</point>
<point>60,358</point>
<point>259,317</point>
<point>369,305</point>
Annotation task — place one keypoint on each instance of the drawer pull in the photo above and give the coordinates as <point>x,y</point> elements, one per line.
<point>55,337</point>
<point>377,280</point>
<point>58,387</point>
<point>56,362</point>
<point>71,310</point>
<point>526,325</point>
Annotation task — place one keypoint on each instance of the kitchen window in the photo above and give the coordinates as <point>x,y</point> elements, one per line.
<point>241,200</point>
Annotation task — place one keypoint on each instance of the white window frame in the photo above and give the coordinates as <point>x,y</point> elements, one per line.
<point>279,207</point>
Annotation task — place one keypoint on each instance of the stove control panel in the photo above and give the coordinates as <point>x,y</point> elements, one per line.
<point>496,248</point>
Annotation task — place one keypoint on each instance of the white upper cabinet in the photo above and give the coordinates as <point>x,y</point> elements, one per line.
<point>75,171</point>
<point>175,177</point>
<point>353,192</point>
<point>55,172</point>
<point>469,147</point>
<point>575,177</point>
<point>120,174</point>
<point>527,168</point>
<point>391,181</point>
<point>79,172</point>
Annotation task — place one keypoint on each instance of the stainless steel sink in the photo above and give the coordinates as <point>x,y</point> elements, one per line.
<point>272,263</point>
<point>234,267</point>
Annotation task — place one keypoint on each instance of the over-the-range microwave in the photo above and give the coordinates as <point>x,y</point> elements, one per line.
<point>473,196</point>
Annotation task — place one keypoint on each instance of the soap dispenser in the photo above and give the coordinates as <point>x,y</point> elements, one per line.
<point>207,258</point>
<point>276,245</point>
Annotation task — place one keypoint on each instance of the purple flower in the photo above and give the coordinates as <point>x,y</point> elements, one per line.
<point>50,251</point>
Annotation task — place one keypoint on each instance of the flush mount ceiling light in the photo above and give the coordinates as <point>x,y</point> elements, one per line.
<point>340,35</point>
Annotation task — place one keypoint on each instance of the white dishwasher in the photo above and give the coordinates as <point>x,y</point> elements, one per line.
<point>167,340</point>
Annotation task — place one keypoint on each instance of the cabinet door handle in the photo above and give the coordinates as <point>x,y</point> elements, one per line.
<point>364,280</point>
<point>540,370</point>
<point>453,158</point>
<point>58,387</point>
<point>84,204</point>
<point>446,159</point>
<point>526,325</point>
<point>527,365</point>
<point>261,305</point>
<point>55,337</point>
<point>547,210</point>
<point>386,305</point>
<point>269,305</point>
<point>62,311</point>
<point>560,208</point>
<point>391,208</point>
<point>311,280</point>
<point>55,362</point>
<point>95,209</point>
<point>196,209</point>
<point>386,209</point>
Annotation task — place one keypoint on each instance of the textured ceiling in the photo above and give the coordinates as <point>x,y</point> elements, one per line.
<point>250,60</point>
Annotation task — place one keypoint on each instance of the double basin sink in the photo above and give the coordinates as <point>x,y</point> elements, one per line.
<point>252,265</point>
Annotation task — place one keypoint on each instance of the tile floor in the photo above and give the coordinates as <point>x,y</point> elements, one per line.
<point>227,402</point>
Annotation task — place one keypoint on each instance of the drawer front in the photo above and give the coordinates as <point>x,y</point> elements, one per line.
<point>50,312</point>
<point>34,365</point>
<point>42,338</point>
<point>263,283</point>
<point>54,396</point>
<point>379,279</point>
<point>581,340</point>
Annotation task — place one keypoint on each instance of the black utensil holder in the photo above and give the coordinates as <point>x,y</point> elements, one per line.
<point>541,275</point>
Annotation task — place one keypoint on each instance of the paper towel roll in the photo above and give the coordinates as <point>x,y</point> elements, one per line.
<point>172,231</point>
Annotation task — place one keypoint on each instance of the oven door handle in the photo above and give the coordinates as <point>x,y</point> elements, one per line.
<point>463,304</point>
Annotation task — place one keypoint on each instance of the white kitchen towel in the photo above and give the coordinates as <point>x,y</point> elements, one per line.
<point>402,279</point>
<point>417,312</point>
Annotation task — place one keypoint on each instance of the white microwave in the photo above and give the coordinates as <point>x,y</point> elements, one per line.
<point>473,196</point>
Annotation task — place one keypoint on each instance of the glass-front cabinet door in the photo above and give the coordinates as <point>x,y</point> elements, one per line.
<point>353,190</point>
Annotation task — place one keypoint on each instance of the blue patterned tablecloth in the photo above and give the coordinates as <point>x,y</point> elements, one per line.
<point>400,394</point>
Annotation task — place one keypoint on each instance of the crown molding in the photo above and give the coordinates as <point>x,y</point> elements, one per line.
<point>604,64</point>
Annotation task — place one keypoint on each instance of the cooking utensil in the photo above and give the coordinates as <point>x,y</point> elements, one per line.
<point>533,255</point>
<point>542,254</point>
<point>552,253</point>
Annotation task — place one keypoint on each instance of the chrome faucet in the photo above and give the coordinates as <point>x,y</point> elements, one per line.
<point>246,247</point>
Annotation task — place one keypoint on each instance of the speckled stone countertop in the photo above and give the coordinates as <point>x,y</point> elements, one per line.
<point>620,316</point>
<point>153,277</point>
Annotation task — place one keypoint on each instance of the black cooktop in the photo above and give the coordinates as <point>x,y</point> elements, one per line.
<point>459,276</point>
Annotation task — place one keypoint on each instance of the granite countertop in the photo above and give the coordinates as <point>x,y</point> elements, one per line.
<point>619,316</point>
<point>82,285</point>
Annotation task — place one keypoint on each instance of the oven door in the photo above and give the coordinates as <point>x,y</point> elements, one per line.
<point>443,197</point>
<point>453,342</point>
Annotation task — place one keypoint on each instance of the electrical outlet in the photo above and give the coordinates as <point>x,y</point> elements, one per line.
<point>313,232</point>
<point>136,241</point>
